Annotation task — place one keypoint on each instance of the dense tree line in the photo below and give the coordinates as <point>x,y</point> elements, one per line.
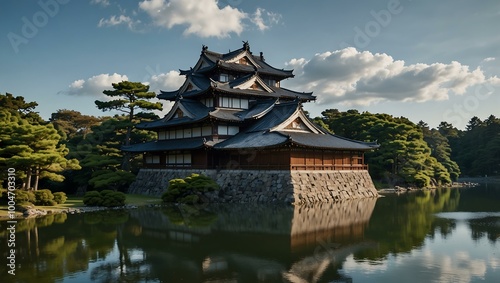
<point>415,154</point>
<point>477,148</point>
<point>404,156</point>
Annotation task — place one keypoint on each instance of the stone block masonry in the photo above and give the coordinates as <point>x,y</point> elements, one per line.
<point>247,186</point>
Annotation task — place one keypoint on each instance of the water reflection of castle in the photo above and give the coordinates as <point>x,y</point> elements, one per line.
<point>296,244</point>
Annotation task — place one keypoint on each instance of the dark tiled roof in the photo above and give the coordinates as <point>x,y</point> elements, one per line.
<point>200,112</point>
<point>164,145</point>
<point>168,95</point>
<point>227,114</point>
<point>270,70</point>
<point>326,141</point>
<point>253,140</point>
<point>200,81</point>
<point>262,139</point>
<point>259,134</point>
<point>195,108</point>
<point>219,60</point>
<point>259,108</point>
<point>276,116</point>
<point>278,92</point>
<point>162,123</point>
<point>205,84</point>
<point>241,80</point>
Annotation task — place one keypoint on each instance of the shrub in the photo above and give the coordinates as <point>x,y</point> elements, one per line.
<point>60,197</point>
<point>44,197</point>
<point>23,196</point>
<point>111,199</point>
<point>106,198</point>
<point>189,189</point>
<point>92,198</point>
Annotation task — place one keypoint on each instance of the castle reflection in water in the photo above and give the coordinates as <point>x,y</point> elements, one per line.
<point>252,242</point>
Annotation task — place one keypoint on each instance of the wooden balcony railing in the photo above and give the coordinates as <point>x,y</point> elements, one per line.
<point>233,166</point>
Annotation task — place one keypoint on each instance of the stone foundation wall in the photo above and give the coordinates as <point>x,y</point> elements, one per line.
<point>240,186</point>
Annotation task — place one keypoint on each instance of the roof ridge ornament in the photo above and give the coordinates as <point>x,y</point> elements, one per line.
<point>204,48</point>
<point>246,45</point>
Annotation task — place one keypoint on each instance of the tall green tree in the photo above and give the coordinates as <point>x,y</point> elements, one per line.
<point>129,98</point>
<point>34,151</point>
<point>25,109</point>
<point>102,156</point>
<point>440,149</point>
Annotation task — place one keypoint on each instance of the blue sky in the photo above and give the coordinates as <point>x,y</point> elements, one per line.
<point>426,60</point>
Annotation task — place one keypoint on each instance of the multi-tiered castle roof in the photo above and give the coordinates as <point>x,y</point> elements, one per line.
<point>235,101</point>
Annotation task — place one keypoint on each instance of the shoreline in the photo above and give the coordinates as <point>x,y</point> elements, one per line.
<point>74,205</point>
<point>459,184</point>
<point>481,180</point>
<point>40,212</point>
<point>34,212</point>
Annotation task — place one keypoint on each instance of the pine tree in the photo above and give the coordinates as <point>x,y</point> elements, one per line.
<point>129,97</point>
<point>34,150</point>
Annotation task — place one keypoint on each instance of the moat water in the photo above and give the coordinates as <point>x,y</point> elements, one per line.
<point>446,235</point>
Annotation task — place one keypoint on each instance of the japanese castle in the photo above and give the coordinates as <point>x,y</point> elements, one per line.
<point>231,113</point>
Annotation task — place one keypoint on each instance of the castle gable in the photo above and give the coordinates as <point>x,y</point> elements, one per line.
<point>252,83</point>
<point>297,122</point>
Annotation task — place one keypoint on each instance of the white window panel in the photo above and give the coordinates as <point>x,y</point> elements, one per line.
<point>244,103</point>
<point>179,158</point>
<point>196,132</point>
<point>187,158</point>
<point>162,135</point>
<point>236,103</point>
<point>187,133</point>
<point>179,134</point>
<point>224,78</point>
<point>156,159</point>
<point>207,131</point>
<point>171,159</point>
<point>222,130</point>
<point>233,130</point>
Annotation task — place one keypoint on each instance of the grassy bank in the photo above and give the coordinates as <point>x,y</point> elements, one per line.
<point>77,202</point>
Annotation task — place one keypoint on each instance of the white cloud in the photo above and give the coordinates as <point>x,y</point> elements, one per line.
<point>119,20</point>
<point>94,86</point>
<point>103,3</point>
<point>459,267</point>
<point>165,81</point>
<point>489,59</point>
<point>353,77</point>
<point>264,19</point>
<point>368,267</point>
<point>203,18</point>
